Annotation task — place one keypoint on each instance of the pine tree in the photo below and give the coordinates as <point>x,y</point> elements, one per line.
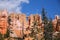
<point>45,22</point>
<point>50,30</point>
<point>1,37</point>
<point>44,17</point>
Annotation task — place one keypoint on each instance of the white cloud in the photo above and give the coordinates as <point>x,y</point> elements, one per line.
<point>12,5</point>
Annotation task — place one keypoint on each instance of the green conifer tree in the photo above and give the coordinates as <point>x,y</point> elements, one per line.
<point>50,30</point>
<point>1,37</point>
<point>45,22</point>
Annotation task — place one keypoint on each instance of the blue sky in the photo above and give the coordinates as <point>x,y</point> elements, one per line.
<point>52,7</point>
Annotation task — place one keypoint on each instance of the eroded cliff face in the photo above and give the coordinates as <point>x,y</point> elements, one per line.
<point>3,22</point>
<point>20,25</point>
<point>17,25</point>
<point>56,23</point>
